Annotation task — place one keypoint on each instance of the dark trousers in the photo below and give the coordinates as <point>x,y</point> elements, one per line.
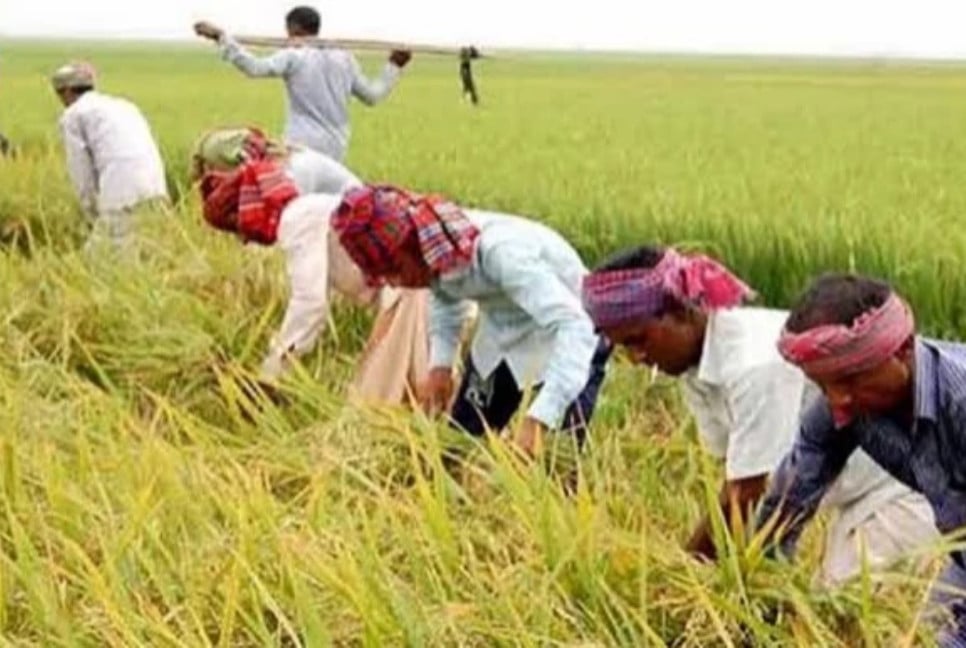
<point>491,402</point>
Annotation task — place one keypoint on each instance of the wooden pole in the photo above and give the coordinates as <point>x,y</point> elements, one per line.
<point>356,44</point>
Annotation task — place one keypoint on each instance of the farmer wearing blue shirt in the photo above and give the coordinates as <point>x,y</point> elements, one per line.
<point>899,397</point>
<point>525,279</point>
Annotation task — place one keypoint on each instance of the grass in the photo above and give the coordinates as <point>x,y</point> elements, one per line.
<point>146,500</point>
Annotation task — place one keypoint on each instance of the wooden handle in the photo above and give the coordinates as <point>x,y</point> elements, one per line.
<point>351,43</point>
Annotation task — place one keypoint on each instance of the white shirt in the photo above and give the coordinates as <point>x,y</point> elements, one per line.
<point>313,172</point>
<point>746,401</point>
<point>526,280</point>
<point>316,263</point>
<point>319,84</point>
<point>112,158</point>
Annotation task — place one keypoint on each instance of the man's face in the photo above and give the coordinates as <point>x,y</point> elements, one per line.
<point>884,389</point>
<point>411,270</point>
<point>672,342</point>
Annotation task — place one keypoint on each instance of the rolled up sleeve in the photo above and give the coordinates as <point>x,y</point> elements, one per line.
<point>764,406</point>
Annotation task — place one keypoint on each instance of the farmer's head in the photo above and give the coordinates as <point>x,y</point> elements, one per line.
<point>302,21</point>
<point>655,302</point>
<point>244,188</point>
<point>225,149</point>
<point>854,337</point>
<point>72,80</point>
<point>401,238</point>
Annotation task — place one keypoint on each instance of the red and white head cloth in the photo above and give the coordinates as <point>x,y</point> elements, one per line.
<point>834,350</point>
<point>617,297</point>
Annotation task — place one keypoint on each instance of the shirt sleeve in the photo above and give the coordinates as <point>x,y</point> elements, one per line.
<point>532,285</point>
<point>277,64</point>
<point>446,318</point>
<point>764,406</point>
<point>805,474</point>
<point>712,431</point>
<point>80,163</point>
<point>305,317</point>
<point>369,91</point>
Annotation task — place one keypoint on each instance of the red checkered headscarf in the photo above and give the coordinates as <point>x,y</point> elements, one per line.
<point>375,221</point>
<point>249,200</point>
<point>835,350</point>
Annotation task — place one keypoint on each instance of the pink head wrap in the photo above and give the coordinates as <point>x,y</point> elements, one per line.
<point>836,349</point>
<point>616,297</point>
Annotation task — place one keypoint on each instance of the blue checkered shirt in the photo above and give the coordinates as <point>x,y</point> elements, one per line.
<point>929,455</point>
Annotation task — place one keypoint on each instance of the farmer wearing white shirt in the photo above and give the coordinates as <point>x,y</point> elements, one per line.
<point>524,277</point>
<point>680,313</point>
<point>319,82</point>
<point>113,161</point>
<point>270,194</point>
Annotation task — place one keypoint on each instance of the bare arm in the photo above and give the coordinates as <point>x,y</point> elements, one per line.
<point>737,499</point>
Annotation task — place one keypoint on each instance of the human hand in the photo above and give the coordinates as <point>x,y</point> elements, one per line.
<point>208,30</point>
<point>528,438</point>
<point>435,394</point>
<point>400,58</point>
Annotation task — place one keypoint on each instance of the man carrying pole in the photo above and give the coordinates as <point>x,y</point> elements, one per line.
<point>319,82</point>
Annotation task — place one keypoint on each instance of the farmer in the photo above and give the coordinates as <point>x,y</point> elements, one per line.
<point>112,158</point>
<point>223,149</point>
<point>319,82</point>
<point>525,279</point>
<point>248,189</point>
<point>898,396</point>
<point>681,314</point>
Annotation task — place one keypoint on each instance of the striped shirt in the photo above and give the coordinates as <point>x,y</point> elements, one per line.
<point>927,455</point>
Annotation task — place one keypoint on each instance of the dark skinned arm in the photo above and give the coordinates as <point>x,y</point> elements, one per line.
<point>737,497</point>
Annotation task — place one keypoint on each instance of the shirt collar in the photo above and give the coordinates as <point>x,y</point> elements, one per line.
<point>926,394</point>
<point>704,367</point>
<point>461,272</point>
<point>81,100</point>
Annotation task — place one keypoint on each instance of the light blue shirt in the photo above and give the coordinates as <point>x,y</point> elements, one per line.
<point>319,84</point>
<point>526,281</point>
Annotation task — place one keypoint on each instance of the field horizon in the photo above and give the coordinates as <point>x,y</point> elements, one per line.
<point>147,501</point>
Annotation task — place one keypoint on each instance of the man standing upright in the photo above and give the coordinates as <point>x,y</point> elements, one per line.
<point>112,158</point>
<point>319,82</point>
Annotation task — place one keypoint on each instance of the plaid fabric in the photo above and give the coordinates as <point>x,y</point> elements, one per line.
<point>219,195</point>
<point>374,222</point>
<point>617,297</point>
<point>224,149</point>
<point>835,349</point>
<point>248,201</point>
